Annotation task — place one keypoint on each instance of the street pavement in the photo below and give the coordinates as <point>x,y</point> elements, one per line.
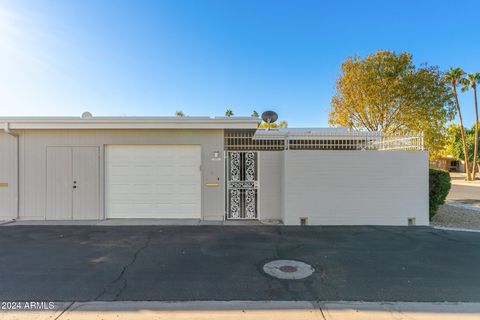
<point>185,263</point>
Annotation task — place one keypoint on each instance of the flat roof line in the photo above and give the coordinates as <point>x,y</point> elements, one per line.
<point>137,122</point>
<point>129,118</point>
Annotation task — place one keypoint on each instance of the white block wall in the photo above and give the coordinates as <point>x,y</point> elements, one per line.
<point>271,185</point>
<point>355,187</point>
<point>8,177</point>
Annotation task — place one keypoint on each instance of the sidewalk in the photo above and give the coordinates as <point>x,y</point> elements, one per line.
<point>138,222</point>
<point>459,180</point>
<point>246,310</point>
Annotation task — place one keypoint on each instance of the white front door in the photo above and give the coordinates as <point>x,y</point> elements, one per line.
<point>59,183</point>
<point>153,181</point>
<point>86,178</point>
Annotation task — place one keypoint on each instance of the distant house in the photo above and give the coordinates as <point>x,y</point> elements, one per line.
<point>449,163</point>
<point>91,168</point>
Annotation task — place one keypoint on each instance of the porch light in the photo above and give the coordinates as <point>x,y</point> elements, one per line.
<point>216,155</point>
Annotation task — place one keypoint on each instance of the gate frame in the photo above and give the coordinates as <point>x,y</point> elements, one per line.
<point>227,200</point>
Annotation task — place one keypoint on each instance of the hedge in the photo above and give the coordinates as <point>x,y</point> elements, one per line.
<point>439,188</point>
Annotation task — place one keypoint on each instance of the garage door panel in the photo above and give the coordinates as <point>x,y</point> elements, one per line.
<point>154,181</point>
<point>188,171</point>
<point>164,190</point>
<point>144,209</point>
<point>144,170</point>
<point>167,174</point>
<point>186,210</point>
<point>187,162</point>
<point>183,159</point>
<point>185,152</point>
<point>139,189</point>
<point>187,190</point>
<point>119,171</point>
<point>120,209</point>
<point>119,189</point>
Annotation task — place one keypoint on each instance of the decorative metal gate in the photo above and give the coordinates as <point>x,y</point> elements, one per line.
<point>242,184</point>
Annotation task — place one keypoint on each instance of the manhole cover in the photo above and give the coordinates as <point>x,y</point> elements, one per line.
<point>288,269</point>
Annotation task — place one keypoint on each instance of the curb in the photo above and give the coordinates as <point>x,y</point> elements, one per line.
<point>2,223</point>
<point>460,205</point>
<point>454,229</point>
<point>466,184</point>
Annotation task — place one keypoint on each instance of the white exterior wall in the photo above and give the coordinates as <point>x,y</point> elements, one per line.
<point>327,187</point>
<point>8,177</point>
<point>355,187</point>
<point>33,144</point>
<point>270,173</point>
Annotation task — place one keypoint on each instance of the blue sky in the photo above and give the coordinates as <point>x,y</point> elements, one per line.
<point>155,57</point>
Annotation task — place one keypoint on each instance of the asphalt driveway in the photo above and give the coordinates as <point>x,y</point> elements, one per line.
<point>469,195</point>
<point>84,263</point>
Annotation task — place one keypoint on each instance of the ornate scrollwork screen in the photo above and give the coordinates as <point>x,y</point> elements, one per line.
<point>242,185</point>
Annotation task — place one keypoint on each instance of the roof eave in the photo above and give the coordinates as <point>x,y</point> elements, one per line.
<point>131,123</point>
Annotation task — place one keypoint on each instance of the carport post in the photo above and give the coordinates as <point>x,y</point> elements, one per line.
<point>7,130</point>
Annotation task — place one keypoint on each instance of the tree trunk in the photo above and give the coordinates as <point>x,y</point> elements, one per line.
<point>462,130</point>
<point>476,134</point>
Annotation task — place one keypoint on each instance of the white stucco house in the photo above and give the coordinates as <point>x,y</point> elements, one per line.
<point>74,168</point>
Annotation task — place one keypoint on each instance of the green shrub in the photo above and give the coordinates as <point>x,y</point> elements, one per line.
<point>439,188</point>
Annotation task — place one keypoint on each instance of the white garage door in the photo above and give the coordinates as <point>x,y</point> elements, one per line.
<point>153,181</point>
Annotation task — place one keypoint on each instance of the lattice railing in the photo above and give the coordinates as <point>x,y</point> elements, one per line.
<point>397,142</point>
<point>243,140</point>
<point>320,140</point>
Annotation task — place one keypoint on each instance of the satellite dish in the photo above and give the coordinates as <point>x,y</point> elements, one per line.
<point>269,117</point>
<point>87,115</point>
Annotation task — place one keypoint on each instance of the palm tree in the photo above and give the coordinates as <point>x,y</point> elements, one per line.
<point>454,76</point>
<point>470,81</point>
<point>179,113</point>
<point>228,113</point>
<point>273,125</point>
<point>255,114</point>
